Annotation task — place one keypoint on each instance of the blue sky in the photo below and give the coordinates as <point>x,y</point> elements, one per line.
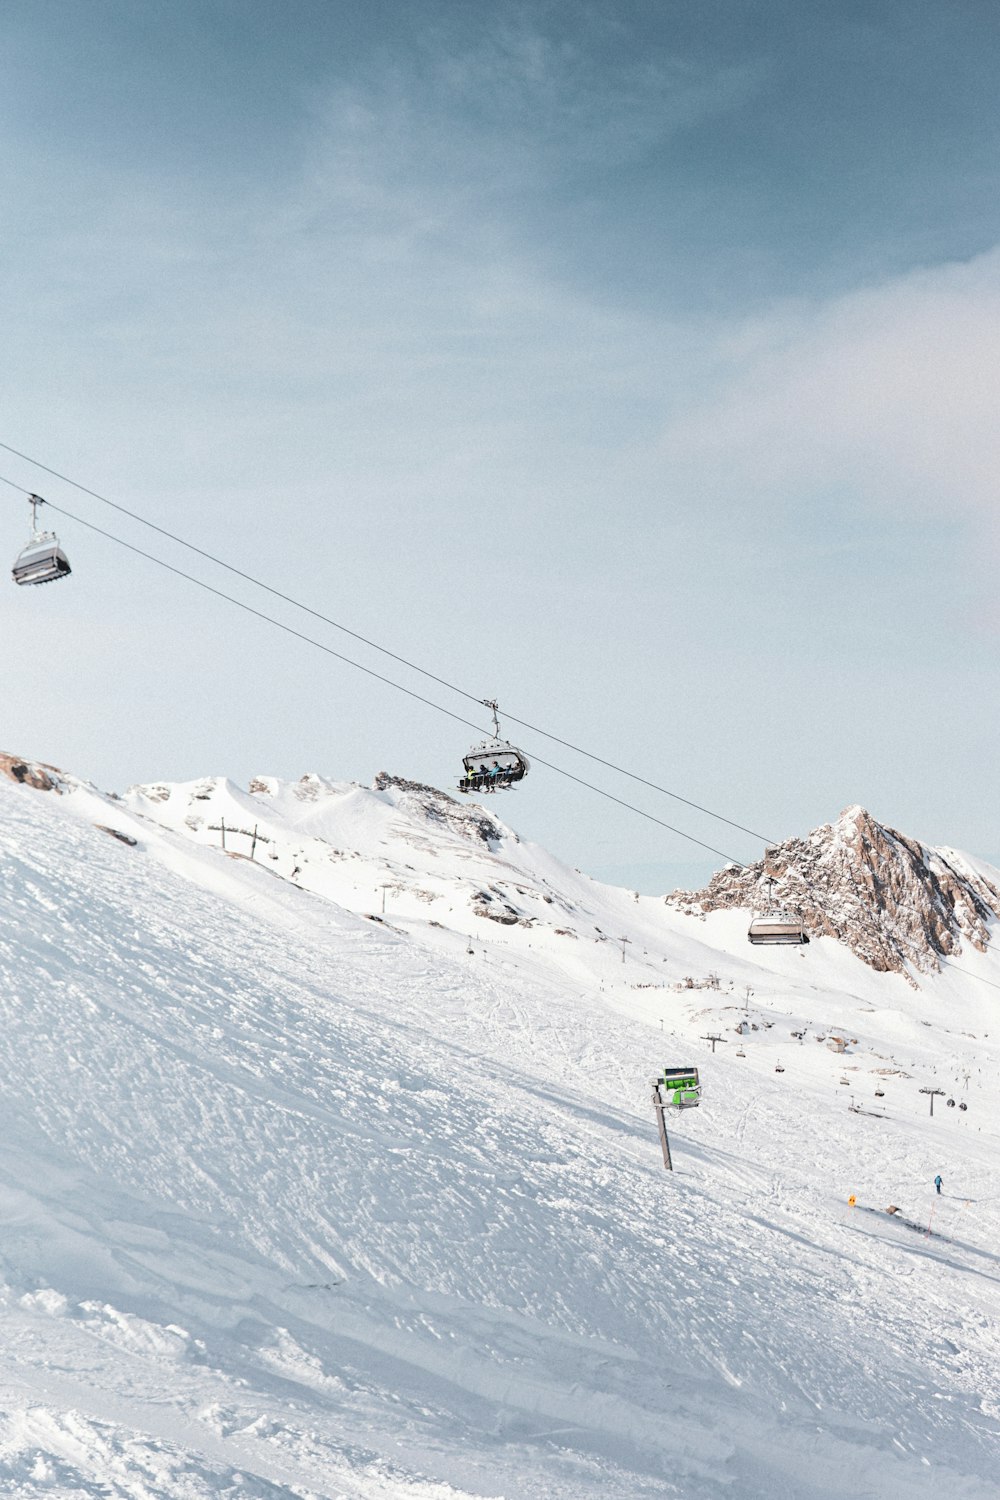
<point>635,368</point>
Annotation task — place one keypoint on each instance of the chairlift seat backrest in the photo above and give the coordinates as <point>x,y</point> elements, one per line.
<point>777,927</point>
<point>42,561</point>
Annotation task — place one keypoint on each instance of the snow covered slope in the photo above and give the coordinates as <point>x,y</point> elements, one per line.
<point>295,1202</point>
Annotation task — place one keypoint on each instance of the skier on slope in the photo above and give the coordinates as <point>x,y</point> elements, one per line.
<point>937,1182</point>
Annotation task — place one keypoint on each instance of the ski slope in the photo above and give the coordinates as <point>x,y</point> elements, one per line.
<point>296,1202</point>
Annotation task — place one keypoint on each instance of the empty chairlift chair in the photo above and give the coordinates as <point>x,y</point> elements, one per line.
<point>494,764</point>
<point>776,927</point>
<point>43,559</point>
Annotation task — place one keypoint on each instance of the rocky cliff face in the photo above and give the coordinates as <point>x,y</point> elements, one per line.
<point>893,901</point>
<point>31,773</point>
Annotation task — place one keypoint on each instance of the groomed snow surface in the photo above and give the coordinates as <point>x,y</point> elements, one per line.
<point>294,1202</point>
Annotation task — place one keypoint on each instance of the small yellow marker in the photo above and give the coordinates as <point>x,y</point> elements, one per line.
<point>852,1201</point>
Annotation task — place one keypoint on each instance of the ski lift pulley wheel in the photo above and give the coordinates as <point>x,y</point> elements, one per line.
<point>495,764</point>
<point>43,559</point>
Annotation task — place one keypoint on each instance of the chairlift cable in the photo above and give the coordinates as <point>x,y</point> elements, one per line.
<point>349,661</point>
<point>383,650</point>
<point>418,697</point>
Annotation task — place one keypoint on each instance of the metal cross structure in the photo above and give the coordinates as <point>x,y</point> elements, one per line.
<point>713,1039</point>
<point>249,833</point>
<point>932,1092</point>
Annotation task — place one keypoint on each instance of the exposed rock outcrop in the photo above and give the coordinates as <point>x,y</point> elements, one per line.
<point>31,773</point>
<point>470,820</point>
<point>895,902</point>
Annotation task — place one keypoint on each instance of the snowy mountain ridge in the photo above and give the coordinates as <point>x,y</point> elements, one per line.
<point>894,901</point>
<point>897,904</point>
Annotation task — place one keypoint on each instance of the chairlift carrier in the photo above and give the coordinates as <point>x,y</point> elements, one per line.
<point>43,559</point>
<point>494,765</point>
<point>777,927</point>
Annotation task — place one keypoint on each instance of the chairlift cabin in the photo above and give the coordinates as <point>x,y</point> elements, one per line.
<point>494,764</point>
<point>777,927</point>
<point>43,559</point>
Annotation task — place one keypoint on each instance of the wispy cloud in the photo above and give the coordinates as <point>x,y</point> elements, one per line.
<point>888,393</point>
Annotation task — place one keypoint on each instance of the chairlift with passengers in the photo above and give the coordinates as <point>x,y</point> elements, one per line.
<point>775,926</point>
<point>43,559</point>
<point>495,764</point>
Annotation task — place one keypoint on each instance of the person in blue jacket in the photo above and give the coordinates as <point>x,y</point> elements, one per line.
<point>937,1182</point>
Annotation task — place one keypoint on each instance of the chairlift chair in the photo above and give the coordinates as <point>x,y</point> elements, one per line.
<point>494,765</point>
<point>43,559</point>
<point>776,927</point>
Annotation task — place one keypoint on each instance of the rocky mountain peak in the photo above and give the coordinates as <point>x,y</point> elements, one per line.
<point>470,820</point>
<point>898,904</point>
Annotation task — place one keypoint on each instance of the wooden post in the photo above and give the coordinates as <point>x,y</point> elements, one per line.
<point>222,824</point>
<point>661,1120</point>
<point>253,841</point>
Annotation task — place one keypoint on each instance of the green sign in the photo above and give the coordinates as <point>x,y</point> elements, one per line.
<point>681,1087</point>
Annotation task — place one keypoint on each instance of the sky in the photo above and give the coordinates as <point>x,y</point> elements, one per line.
<point>636,369</point>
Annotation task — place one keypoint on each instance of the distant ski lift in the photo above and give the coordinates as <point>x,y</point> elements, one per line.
<point>776,927</point>
<point>43,559</point>
<point>495,764</point>
<point>880,1093</point>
